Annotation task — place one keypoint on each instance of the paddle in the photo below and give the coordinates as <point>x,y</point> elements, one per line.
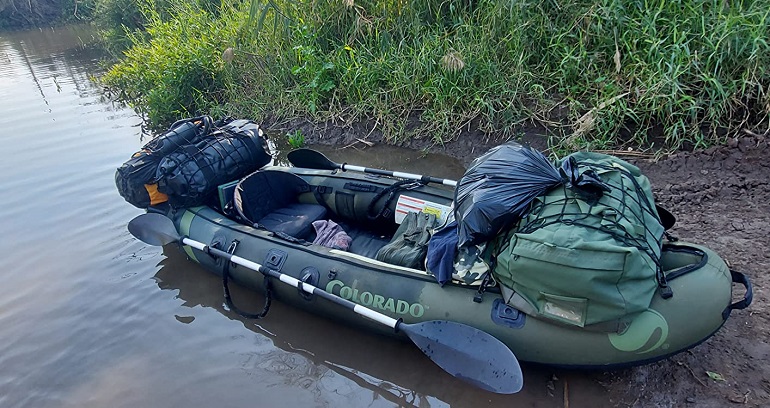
<point>311,159</point>
<point>463,351</point>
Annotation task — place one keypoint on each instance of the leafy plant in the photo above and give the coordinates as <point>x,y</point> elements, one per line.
<point>296,139</point>
<point>313,74</point>
<point>176,71</point>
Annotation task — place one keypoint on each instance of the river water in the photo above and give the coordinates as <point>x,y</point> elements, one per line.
<point>91,317</point>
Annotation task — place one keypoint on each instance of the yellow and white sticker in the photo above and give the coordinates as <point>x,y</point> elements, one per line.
<point>408,204</point>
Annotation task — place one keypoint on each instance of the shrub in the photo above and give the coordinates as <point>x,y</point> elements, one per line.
<point>176,70</point>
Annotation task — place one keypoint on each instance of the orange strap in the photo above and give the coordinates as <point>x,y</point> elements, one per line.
<point>156,197</point>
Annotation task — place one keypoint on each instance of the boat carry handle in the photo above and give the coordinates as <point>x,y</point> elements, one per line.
<point>741,278</point>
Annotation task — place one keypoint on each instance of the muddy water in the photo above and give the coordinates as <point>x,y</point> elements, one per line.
<point>90,317</point>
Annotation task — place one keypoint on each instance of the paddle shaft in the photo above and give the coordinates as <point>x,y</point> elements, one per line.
<point>409,176</point>
<point>316,160</point>
<point>361,310</point>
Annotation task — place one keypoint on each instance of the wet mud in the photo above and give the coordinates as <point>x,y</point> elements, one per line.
<point>721,199</point>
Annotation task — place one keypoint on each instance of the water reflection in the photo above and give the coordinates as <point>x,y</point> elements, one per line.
<point>51,58</point>
<point>310,353</point>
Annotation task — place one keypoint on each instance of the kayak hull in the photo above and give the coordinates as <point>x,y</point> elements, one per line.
<point>700,305</point>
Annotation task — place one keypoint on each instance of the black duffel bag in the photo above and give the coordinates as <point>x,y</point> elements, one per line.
<point>190,175</point>
<point>135,179</point>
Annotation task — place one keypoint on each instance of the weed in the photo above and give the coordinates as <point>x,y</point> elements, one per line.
<point>176,69</point>
<point>296,139</point>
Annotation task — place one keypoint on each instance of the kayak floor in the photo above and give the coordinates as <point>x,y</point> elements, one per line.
<point>365,243</point>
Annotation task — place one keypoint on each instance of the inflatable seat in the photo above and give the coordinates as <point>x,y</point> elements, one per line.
<point>295,219</point>
<point>268,199</point>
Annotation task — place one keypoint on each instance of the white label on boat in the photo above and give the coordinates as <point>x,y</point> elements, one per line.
<point>408,204</point>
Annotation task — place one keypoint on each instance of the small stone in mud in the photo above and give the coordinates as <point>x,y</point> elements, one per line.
<point>746,144</point>
<point>737,399</point>
<point>690,400</point>
<point>185,319</point>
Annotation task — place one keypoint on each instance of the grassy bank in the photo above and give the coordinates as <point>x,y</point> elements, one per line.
<point>597,73</point>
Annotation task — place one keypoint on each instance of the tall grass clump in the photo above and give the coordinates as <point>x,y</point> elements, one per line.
<point>120,21</point>
<point>117,20</point>
<point>596,73</point>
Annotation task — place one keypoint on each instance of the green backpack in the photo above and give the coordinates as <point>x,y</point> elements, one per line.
<point>585,261</point>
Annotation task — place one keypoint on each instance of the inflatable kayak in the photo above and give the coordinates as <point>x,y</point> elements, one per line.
<point>275,228</point>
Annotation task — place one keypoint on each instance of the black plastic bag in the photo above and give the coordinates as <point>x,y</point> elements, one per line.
<point>497,189</point>
<point>588,185</point>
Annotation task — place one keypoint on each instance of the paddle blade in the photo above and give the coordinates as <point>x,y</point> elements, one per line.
<point>153,229</point>
<point>310,159</point>
<point>468,354</point>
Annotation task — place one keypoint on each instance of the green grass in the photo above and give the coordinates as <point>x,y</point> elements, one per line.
<point>296,139</point>
<point>176,69</point>
<point>599,74</point>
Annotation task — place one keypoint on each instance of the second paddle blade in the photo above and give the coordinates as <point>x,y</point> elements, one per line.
<point>310,159</point>
<point>469,354</point>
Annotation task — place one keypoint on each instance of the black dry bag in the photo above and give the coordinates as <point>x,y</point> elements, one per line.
<point>135,179</point>
<point>190,175</point>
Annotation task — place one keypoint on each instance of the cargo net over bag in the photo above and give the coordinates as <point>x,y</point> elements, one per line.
<point>590,255</point>
<point>136,178</point>
<point>190,175</point>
